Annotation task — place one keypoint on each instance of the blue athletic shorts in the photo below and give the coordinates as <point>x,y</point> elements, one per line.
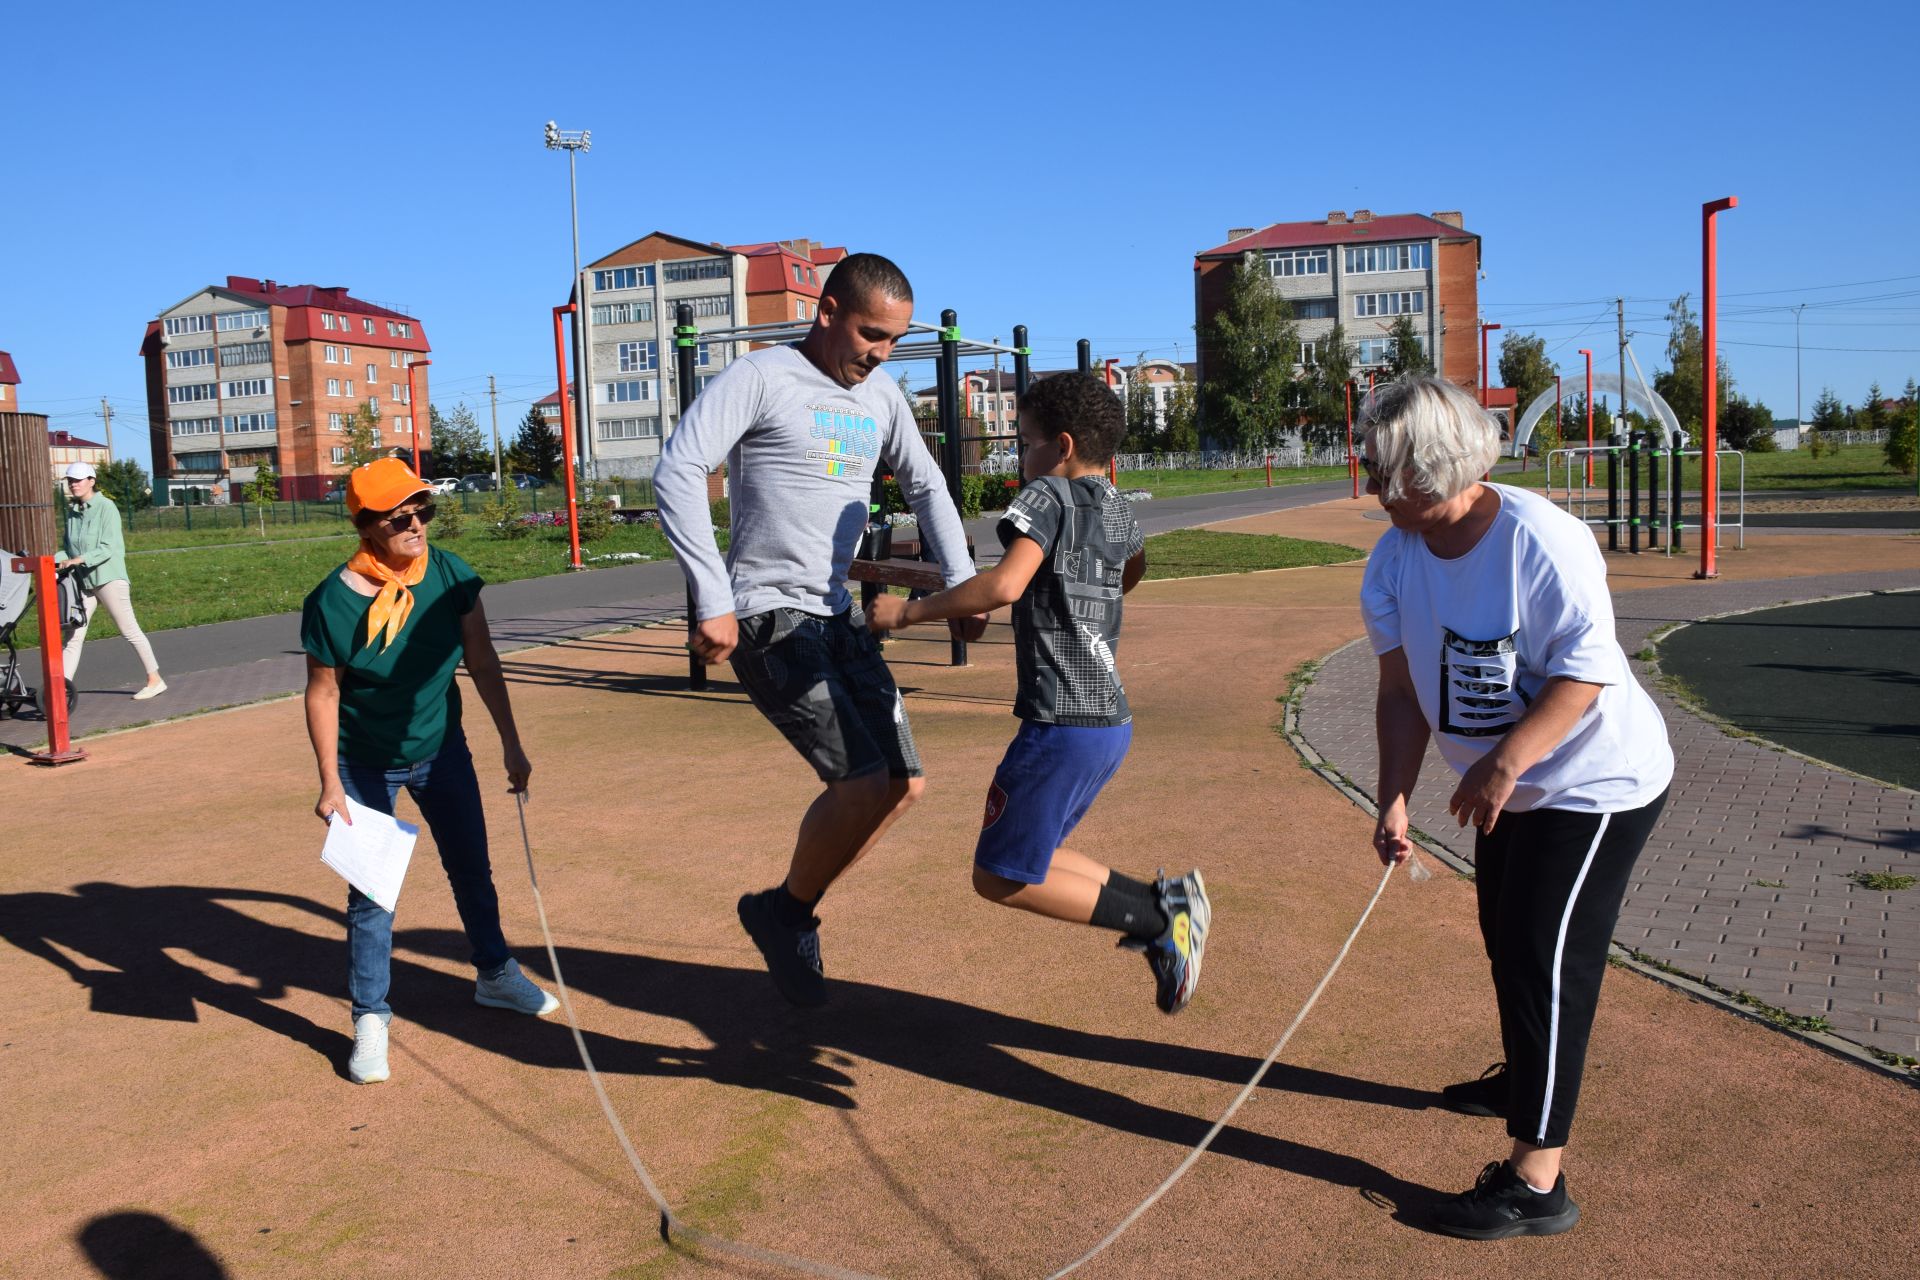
<point>1042,789</point>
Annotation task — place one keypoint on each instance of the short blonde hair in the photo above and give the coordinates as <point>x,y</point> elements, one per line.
<point>1428,435</point>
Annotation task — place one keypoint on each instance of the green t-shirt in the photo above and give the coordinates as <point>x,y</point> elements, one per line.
<point>397,706</point>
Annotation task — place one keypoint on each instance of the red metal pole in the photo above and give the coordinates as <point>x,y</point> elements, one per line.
<point>1588,353</point>
<point>1269,471</point>
<point>1486,373</point>
<point>566,426</point>
<point>1113,465</point>
<point>413,417</point>
<point>53,682</point>
<point>1710,387</point>
<point>1353,465</point>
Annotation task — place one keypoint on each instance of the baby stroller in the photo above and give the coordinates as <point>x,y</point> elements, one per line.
<point>16,592</point>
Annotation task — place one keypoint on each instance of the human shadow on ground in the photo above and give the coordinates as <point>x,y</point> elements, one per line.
<point>753,1040</point>
<point>145,1246</point>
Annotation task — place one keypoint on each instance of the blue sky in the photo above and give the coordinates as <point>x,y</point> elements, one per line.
<point>1027,163</point>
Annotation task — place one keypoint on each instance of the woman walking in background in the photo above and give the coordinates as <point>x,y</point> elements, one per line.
<point>94,547</point>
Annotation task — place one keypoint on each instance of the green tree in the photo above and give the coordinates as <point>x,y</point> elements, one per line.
<point>1182,432</point>
<point>1746,425</point>
<point>1680,385</point>
<point>536,447</point>
<point>457,447</point>
<point>1524,367</point>
<point>1143,426</point>
<point>1871,416</point>
<point>1903,434</point>
<point>363,436</point>
<point>1322,414</point>
<point>263,490</point>
<point>1253,348</point>
<point>1409,354</point>
<point>125,481</point>
<point>1828,413</point>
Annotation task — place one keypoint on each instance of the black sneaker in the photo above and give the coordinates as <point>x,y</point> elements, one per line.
<point>1501,1204</point>
<point>1176,954</point>
<point>792,954</point>
<point>1486,1096</point>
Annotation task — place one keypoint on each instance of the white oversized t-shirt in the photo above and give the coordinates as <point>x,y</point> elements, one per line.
<point>1484,632</point>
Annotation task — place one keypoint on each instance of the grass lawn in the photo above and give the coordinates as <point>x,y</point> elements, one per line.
<point>1178,484</point>
<point>1195,553</point>
<point>1851,466</point>
<point>221,583</point>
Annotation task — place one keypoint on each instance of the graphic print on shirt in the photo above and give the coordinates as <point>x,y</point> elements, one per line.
<point>1480,694</point>
<point>847,439</point>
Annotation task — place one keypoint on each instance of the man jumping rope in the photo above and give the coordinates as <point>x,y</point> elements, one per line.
<point>803,430</point>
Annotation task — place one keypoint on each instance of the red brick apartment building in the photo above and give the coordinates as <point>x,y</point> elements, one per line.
<point>255,372</point>
<point>1365,272</point>
<point>9,385</point>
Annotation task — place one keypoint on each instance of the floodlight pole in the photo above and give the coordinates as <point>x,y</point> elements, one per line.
<point>1710,386</point>
<point>574,141</point>
<point>413,414</point>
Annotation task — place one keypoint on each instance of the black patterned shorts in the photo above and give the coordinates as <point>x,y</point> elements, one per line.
<point>823,684</point>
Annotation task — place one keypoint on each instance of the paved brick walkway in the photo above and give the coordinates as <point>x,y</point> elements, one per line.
<point>1809,941</point>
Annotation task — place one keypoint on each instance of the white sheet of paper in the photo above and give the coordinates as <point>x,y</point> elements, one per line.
<point>372,853</point>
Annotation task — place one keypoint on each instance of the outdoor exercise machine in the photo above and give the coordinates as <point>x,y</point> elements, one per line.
<point>1632,510</point>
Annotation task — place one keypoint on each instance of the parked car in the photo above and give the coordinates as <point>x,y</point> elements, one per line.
<point>336,494</point>
<point>481,483</point>
<point>521,480</point>
<point>443,486</point>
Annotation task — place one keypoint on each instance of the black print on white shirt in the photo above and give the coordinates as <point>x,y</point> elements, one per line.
<point>1480,695</point>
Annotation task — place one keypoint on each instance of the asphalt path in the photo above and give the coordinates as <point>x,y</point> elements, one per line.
<point>1838,680</point>
<point>542,610</point>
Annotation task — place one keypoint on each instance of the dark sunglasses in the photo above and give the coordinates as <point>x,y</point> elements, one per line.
<point>1372,469</point>
<point>400,524</point>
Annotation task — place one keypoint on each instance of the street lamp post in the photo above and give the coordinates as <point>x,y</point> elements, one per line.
<point>1485,371</point>
<point>574,141</point>
<point>413,413</point>
<point>1588,353</point>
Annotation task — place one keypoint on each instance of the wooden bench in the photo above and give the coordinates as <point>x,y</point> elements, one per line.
<point>914,574</point>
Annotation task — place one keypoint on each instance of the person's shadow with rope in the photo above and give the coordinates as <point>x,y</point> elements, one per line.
<point>755,1040</point>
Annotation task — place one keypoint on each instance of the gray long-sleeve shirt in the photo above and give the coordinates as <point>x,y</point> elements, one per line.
<point>801,453</point>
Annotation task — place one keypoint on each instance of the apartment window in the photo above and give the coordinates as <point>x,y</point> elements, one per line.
<point>326,320</point>
<point>190,359</point>
<point>1408,302</point>
<point>703,354</point>
<point>332,354</point>
<point>1310,353</point>
<point>623,278</point>
<point>393,361</point>
<point>346,355</point>
<point>406,330</point>
<point>812,278</point>
<point>247,353</point>
<point>697,269</point>
<point>231,320</point>
<point>1298,262</point>
<point>372,373</point>
<point>339,455</point>
<point>799,311</point>
<point>391,331</point>
<point>373,402</point>
<point>1372,350</point>
<point>196,426</point>
<point>630,429</point>
<point>798,277</point>
<point>623,313</point>
<point>177,325</point>
<point>402,394</point>
<point>1362,259</point>
<point>336,422</point>
<point>403,425</point>
<point>369,325</point>
<point>238,422</point>
<point>639,357</point>
<point>625,392</point>
<point>700,381</point>
<point>247,387</point>
<point>1314,308</point>
<point>718,304</point>
<point>190,394</point>
<point>333,386</point>
<point>208,462</point>
<point>348,385</point>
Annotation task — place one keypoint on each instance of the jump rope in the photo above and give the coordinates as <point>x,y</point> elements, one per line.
<point>671,1222</point>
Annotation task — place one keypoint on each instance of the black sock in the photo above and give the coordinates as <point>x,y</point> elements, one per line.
<point>1128,883</point>
<point>1129,907</point>
<point>791,911</point>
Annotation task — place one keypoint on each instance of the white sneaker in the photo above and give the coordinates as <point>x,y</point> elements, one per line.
<point>368,1065</point>
<point>513,990</point>
<point>150,691</point>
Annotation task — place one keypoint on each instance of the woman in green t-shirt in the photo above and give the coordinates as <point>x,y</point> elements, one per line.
<point>384,635</point>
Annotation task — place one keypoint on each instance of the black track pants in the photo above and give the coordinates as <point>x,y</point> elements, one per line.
<point>1550,883</point>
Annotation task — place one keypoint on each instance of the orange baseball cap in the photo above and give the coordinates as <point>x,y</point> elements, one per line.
<point>382,485</point>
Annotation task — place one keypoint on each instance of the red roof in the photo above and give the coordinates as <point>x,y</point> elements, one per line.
<point>7,372</point>
<point>67,440</point>
<point>770,267</point>
<point>328,297</point>
<point>303,302</point>
<point>1295,235</point>
<point>553,397</point>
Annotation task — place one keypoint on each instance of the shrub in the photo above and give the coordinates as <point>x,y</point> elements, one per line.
<point>596,517</point>
<point>719,511</point>
<point>501,513</point>
<point>449,518</point>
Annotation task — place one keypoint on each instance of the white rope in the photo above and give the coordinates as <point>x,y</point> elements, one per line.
<point>671,1222</point>
<point>1245,1093</point>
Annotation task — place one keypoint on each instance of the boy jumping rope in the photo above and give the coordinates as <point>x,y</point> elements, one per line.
<point>1072,549</point>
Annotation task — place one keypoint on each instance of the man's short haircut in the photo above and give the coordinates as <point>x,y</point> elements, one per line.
<point>860,276</point>
<point>1429,436</point>
<point>1079,405</point>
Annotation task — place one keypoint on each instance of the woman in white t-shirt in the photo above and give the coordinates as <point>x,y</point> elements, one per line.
<point>1487,607</point>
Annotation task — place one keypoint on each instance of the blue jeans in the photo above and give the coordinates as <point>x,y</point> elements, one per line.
<point>448,793</point>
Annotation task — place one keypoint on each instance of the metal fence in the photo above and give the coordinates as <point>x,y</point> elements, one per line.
<point>1291,453</point>
<point>327,517</point>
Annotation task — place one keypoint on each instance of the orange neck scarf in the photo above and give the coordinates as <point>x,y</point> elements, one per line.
<point>395,602</point>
